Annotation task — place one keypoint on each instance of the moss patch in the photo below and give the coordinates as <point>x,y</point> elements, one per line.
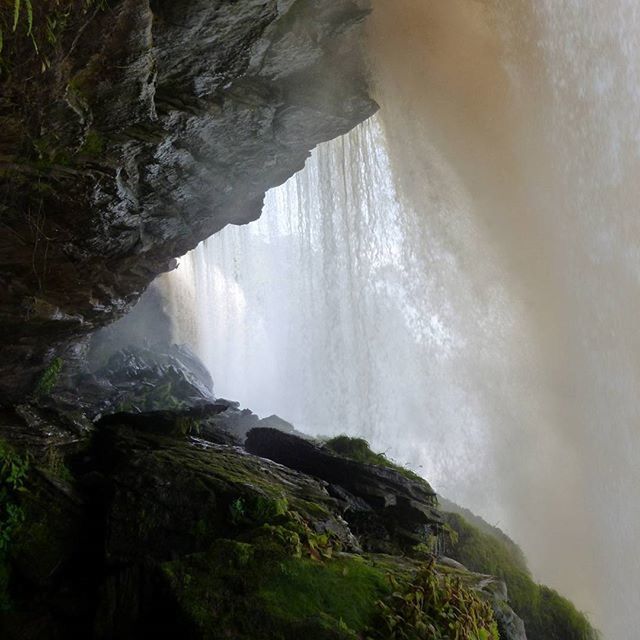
<point>546,614</point>
<point>359,450</point>
<point>94,144</point>
<point>258,591</point>
<point>342,590</point>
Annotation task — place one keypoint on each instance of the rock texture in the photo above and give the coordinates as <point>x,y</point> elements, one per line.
<point>143,514</point>
<point>158,123</point>
<point>152,530</point>
<point>390,511</point>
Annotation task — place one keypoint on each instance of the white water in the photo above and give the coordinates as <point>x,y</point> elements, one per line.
<point>458,280</point>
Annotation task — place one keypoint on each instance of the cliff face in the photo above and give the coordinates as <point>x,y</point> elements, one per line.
<point>160,522</point>
<point>157,123</point>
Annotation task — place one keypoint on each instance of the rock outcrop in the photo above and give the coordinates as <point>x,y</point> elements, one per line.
<point>158,123</point>
<point>180,532</point>
<point>389,510</point>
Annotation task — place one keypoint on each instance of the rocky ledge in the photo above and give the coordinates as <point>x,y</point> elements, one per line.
<point>153,507</point>
<point>162,524</point>
<point>141,127</point>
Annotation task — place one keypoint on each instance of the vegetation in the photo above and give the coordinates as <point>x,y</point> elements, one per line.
<point>40,23</point>
<point>49,378</point>
<point>279,577</point>
<point>438,607</point>
<point>187,425</point>
<point>358,449</point>
<point>93,144</point>
<point>262,587</point>
<point>11,15</point>
<point>252,590</point>
<point>13,473</point>
<point>259,509</point>
<point>55,464</point>
<point>546,614</point>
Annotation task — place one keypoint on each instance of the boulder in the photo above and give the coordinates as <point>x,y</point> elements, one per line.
<point>184,493</point>
<point>387,509</point>
<point>276,422</point>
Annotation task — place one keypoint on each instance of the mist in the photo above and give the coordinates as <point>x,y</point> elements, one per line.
<point>457,280</point>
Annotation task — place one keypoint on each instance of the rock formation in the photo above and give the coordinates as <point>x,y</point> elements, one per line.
<point>160,522</point>
<point>156,124</point>
<point>133,502</point>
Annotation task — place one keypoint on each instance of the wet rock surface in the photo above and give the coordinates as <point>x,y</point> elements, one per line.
<point>149,529</point>
<point>163,483</point>
<point>173,520</point>
<point>388,510</point>
<point>157,124</point>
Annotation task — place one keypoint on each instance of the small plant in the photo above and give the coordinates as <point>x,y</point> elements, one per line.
<point>55,464</point>
<point>434,607</point>
<point>186,425</point>
<point>266,509</point>
<point>426,550</point>
<point>42,23</point>
<point>17,17</point>
<point>49,378</point>
<point>257,510</point>
<point>14,469</point>
<point>304,540</point>
<point>237,512</point>
<point>163,397</point>
<point>13,473</point>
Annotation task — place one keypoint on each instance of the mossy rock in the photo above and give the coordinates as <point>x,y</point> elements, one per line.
<point>358,449</point>
<point>546,614</point>
<point>390,511</point>
<point>254,591</point>
<point>177,496</point>
<point>52,527</point>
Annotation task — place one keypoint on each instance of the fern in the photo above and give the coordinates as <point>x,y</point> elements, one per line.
<point>42,22</point>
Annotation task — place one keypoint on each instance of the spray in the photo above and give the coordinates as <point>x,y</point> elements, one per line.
<point>457,279</point>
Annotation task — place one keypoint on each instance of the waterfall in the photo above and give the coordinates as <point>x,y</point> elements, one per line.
<point>334,310</point>
<point>457,280</point>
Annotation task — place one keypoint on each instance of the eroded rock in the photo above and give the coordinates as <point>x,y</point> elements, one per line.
<point>387,509</point>
<point>158,124</point>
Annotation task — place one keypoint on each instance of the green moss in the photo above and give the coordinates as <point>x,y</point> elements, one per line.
<point>345,589</point>
<point>260,590</point>
<point>257,591</point>
<point>358,449</point>
<point>94,144</point>
<point>546,614</point>
<point>261,495</point>
<point>257,509</point>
